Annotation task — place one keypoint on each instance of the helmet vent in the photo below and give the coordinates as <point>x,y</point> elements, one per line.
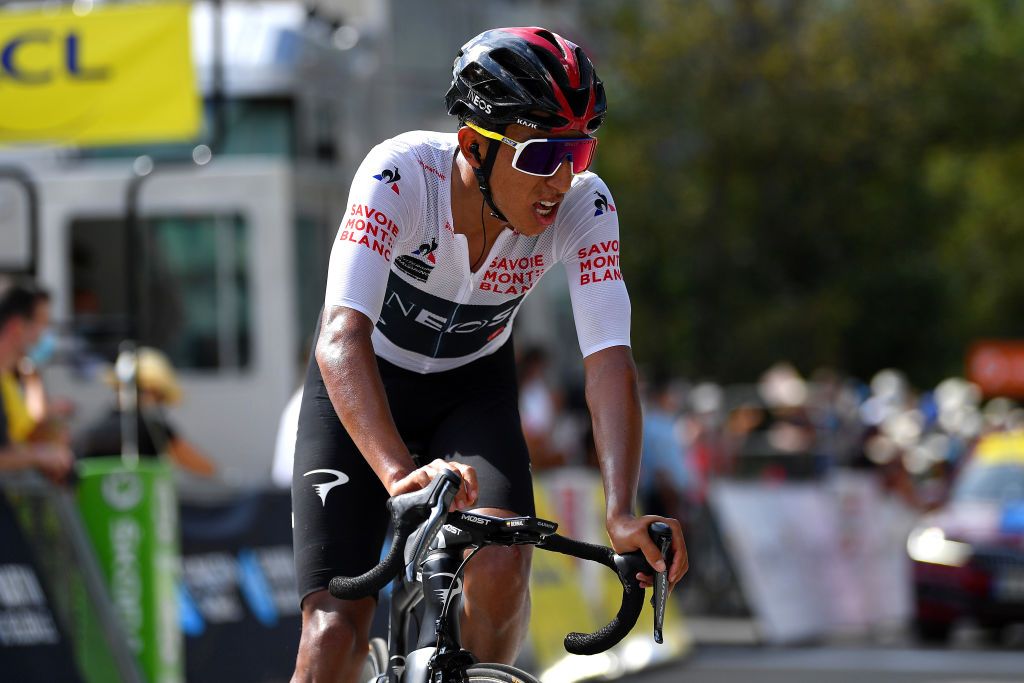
<point>528,75</point>
<point>484,84</point>
<point>511,62</point>
<point>548,36</point>
<point>537,88</point>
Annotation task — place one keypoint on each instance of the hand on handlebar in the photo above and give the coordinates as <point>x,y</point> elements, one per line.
<point>628,533</point>
<point>422,477</point>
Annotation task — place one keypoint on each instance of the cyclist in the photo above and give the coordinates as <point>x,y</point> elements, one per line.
<point>443,237</point>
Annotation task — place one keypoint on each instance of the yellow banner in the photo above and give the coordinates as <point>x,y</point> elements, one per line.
<point>114,75</point>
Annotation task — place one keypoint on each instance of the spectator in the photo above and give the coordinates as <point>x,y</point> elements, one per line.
<point>666,476</point>
<point>30,415</point>
<point>539,408</point>
<point>158,388</point>
<point>284,444</point>
<point>18,333</point>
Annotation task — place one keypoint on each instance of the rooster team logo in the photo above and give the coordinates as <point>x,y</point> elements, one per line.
<point>420,263</point>
<point>390,178</point>
<point>602,204</point>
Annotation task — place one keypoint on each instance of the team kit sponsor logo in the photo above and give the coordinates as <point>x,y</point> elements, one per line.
<point>367,227</point>
<point>324,487</point>
<point>602,205</point>
<point>431,169</point>
<point>480,102</point>
<point>420,263</point>
<point>513,275</point>
<point>431,326</point>
<point>599,262</point>
<point>391,178</point>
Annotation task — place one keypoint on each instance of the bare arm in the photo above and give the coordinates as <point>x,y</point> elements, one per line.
<point>349,368</point>
<point>614,401</point>
<point>35,395</point>
<point>52,460</point>
<point>15,457</point>
<point>190,457</point>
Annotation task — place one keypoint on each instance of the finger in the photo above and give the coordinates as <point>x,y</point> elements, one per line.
<point>680,562</point>
<point>468,491</point>
<point>465,472</point>
<point>462,501</point>
<point>414,481</point>
<point>472,485</point>
<point>460,495</point>
<point>651,552</point>
<point>423,477</point>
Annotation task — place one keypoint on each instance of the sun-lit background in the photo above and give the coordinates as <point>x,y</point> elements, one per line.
<point>821,219</point>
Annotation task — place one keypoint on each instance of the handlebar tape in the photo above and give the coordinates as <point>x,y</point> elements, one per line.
<point>632,598</point>
<point>370,583</point>
<point>407,511</point>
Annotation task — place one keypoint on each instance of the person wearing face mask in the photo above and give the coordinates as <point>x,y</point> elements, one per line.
<point>19,332</point>
<point>31,416</point>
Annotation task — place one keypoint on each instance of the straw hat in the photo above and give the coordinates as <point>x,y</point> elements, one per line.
<point>156,375</point>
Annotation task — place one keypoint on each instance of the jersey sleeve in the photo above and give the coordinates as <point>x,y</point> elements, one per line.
<point>380,215</point>
<point>590,253</point>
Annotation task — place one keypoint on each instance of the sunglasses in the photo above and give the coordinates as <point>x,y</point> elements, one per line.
<point>544,156</point>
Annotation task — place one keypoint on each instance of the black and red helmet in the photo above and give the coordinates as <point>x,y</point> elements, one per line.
<point>529,76</point>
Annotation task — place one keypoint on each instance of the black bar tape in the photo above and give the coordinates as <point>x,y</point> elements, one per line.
<point>370,583</point>
<point>613,632</point>
<point>574,548</point>
<point>632,598</point>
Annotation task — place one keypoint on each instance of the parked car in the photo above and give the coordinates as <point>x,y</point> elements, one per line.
<point>968,556</point>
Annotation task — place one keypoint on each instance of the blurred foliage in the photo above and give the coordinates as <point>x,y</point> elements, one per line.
<point>833,183</point>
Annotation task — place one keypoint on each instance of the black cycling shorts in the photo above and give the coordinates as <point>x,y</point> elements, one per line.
<point>469,414</point>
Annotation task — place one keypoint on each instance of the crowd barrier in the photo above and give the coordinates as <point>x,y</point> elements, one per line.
<point>817,559</point>
<point>50,584</point>
<point>574,595</point>
<point>238,591</point>
<point>77,604</point>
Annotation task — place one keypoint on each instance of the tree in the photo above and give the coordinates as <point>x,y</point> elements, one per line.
<point>829,183</point>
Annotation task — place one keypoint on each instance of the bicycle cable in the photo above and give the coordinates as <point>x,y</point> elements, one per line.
<point>448,596</point>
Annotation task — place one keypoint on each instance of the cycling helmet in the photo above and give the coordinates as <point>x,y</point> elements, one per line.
<point>524,75</point>
<point>529,76</point>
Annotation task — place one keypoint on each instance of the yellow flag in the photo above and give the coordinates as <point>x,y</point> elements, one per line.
<point>114,75</point>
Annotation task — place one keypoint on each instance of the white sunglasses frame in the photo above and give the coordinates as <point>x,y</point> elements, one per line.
<point>520,146</point>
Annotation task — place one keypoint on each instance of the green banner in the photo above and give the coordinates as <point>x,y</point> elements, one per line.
<point>131,517</point>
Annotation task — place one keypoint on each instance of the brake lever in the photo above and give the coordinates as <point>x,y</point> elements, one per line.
<point>661,534</point>
<point>430,528</point>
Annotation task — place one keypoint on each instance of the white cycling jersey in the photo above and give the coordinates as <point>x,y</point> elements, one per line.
<point>398,260</point>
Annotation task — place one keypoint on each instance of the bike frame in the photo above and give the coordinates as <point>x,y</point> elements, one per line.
<point>433,542</point>
<point>439,577</point>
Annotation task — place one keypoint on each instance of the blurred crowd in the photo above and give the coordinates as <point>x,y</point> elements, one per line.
<point>784,427</point>
<point>34,427</point>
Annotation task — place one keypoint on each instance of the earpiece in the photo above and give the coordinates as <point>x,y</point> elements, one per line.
<point>474,149</point>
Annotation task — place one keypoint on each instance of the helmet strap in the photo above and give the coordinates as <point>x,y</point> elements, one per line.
<point>483,175</point>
